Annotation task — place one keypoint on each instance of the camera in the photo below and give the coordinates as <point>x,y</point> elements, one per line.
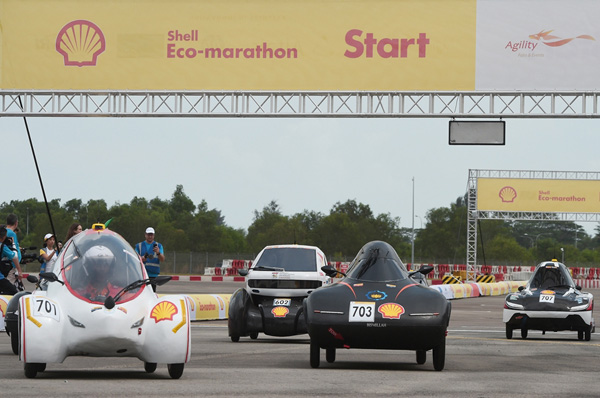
<point>28,257</point>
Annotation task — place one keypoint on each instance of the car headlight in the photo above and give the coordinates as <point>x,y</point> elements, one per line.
<point>513,306</point>
<point>581,307</point>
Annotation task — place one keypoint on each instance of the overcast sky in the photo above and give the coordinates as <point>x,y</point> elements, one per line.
<point>239,165</point>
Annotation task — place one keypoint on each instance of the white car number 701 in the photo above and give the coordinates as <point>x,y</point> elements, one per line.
<point>44,307</point>
<point>361,311</point>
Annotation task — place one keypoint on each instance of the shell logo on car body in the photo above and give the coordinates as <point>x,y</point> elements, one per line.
<point>80,42</point>
<point>391,310</point>
<point>280,312</point>
<point>163,311</point>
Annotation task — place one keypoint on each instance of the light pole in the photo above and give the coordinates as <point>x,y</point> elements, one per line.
<point>412,244</point>
<point>528,237</point>
<point>563,255</point>
<point>537,237</point>
<point>420,220</point>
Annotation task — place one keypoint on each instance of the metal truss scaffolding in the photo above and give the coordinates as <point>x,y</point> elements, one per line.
<point>68,103</point>
<point>473,215</point>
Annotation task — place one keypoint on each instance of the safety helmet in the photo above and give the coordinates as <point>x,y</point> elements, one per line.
<point>98,256</point>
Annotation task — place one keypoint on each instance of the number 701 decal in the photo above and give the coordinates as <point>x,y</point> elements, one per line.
<point>47,308</point>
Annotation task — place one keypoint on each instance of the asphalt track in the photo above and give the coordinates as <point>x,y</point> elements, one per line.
<point>480,362</point>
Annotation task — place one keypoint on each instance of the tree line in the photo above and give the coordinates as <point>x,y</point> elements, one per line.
<point>184,226</point>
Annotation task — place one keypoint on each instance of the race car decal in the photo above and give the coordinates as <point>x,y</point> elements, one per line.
<point>280,312</point>
<point>28,313</point>
<point>376,295</point>
<point>350,287</point>
<point>95,309</point>
<point>183,317</point>
<point>388,285</point>
<point>404,288</point>
<point>122,309</point>
<point>46,308</point>
<point>163,311</point>
<point>547,298</point>
<point>361,311</point>
<point>282,301</point>
<point>358,284</point>
<point>335,334</point>
<point>391,310</point>
<point>548,292</point>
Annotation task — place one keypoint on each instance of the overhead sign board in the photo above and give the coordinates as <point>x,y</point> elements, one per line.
<point>336,45</point>
<point>538,195</point>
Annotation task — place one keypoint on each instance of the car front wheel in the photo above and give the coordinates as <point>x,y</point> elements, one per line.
<point>439,355</point>
<point>509,332</point>
<point>523,333</point>
<point>421,356</point>
<point>175,370</point>
<point>315,355</point>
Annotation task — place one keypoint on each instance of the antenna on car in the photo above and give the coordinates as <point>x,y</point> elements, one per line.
<point>37,169</point>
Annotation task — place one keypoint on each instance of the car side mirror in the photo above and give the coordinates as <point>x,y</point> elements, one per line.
<point>32,278</point>
<point>242,272</point>
<point>425,269</point>
<point>161,280</point>
<point>50,277</point>
<point>331,271</point>
<point>577,287</point>
<point>521,288</point>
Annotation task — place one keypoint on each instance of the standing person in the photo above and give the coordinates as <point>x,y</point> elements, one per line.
<point>151,253</point>
<point>48,254</point>
<point>12,227</point>
<point>6,254</point>
<point>74,229</point>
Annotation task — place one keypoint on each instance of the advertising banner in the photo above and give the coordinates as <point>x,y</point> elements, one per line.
<point>331,45</point>
<point>538,195</point>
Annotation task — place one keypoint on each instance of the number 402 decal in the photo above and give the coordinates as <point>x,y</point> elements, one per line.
<point>47,308</point>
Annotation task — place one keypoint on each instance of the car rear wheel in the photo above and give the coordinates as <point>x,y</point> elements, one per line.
<point>330,355</point>
<point>150,367</point>
<point>254,335</point>
<point>315,355</point>
<point>523,333</point>
<point>14,343</point>
<point>439,355</point>
<point>30,369</point>
<point>235,338</point>
<point>588,333</point>
<point>175,370</point>
<point>421,356</point>
<point>580,335</point>
<point>509,332</point>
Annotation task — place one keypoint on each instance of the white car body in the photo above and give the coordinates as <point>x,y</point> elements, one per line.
<point>61,321</point>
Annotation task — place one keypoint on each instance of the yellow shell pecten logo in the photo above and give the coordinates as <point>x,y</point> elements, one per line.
<point>163,311</point>
<point>280,312</point>
<point>391,310</point>
<point>80,42</point>
<point>507,194</point>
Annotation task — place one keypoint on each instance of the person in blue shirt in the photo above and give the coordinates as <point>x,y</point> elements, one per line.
<point>12,224</point>
<point>6,287</point>
<point>152,254</point>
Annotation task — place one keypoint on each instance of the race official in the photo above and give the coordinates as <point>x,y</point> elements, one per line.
<point>152,254</point>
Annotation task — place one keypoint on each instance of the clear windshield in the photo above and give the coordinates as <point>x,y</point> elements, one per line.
<point>99,264</point>
<point>549,276</point>
<point>291,259</point>
<point>377,262</point>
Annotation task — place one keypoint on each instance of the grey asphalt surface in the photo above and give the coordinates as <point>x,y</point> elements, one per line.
<point>480,362</point>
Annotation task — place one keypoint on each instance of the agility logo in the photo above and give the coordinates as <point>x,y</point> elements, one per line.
<point>80,42</point>
<point>507,194</point>
<point>163,311</point>
<point>554,41</point>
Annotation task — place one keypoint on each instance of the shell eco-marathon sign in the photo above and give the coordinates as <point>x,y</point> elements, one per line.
<point>538,195</point>
<point>337,45</point>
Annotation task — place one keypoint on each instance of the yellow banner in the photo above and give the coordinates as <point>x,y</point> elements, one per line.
<point>238,44</point>
<point>561,196</point>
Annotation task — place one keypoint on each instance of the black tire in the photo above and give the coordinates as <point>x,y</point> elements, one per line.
<point>254,335</point>
<point>588,333</point>
<point>580,335</point>
<point>175,370</point>
<point>30,369</point>
<point>509,332</point>
<point>235,338</point>
<point>439,355</point>
<point>150,367</point>
<point>41,367</point>
<point>14,342</point>
<point>523,333</point>
<point>330,355</point>
<point>421,357</point>
<point>315,355</point>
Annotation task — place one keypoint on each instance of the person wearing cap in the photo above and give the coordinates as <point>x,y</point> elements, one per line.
<point>48,254</point>
<point>152,254</point>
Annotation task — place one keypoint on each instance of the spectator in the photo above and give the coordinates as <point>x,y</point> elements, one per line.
<point>6,254</point>
<point>151,253</point>
<point>48,254</point>
<point>12,227</point>
<point>74,229</point>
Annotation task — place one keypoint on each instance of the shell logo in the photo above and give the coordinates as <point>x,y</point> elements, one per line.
<point>507,194</point>
<point>80,42</point>
<point>547,292</point>
<point>280,312</point>
<point>391,310</point>
<point>163,311</point>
